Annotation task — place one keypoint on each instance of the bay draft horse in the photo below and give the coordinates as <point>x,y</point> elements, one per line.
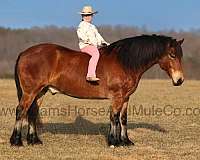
<point>120,68</point>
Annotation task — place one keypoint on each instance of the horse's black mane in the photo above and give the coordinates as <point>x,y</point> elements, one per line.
<point>138,51</point>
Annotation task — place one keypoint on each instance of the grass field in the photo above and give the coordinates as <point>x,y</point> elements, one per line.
<point>164,123</point>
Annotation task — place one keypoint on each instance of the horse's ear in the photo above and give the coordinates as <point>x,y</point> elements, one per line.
<point>181,41</point>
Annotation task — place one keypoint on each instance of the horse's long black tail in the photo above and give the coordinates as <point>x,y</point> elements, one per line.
<point>17,82</point>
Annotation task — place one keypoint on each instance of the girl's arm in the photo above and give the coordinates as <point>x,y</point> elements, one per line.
<point>82,35</point>
<point>100,39</point>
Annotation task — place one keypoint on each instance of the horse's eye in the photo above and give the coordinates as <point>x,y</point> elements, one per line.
<point>172,55</point>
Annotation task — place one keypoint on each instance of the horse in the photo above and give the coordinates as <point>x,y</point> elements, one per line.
<point>120,68</point>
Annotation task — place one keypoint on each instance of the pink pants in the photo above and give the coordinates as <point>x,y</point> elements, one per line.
<point>94,52</point>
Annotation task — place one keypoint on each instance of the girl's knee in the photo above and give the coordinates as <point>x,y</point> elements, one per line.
<point>97,55</point>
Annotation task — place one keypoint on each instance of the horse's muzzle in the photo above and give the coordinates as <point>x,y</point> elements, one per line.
<point>179,82</point>
<point>177,78</point>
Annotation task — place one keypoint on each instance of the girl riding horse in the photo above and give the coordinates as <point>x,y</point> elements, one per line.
<point>89,41</point>
<point>120,68</point>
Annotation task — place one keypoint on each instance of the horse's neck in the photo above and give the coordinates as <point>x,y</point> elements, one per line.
<point>142,70</point>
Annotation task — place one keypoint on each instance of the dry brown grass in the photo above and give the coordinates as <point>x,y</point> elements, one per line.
<point>69,136</point>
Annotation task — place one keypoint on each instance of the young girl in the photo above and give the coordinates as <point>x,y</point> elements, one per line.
<point>90,40</point>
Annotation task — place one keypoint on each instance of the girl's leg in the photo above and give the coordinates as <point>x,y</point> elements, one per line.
<point>94,53</point>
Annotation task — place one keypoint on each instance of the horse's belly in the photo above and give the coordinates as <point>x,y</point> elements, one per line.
<point>80,93</point>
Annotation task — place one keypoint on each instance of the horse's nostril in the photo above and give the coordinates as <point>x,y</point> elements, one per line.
<point>179,82</point>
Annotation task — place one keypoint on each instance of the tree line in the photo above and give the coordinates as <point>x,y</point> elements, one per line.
<point>14,41</point>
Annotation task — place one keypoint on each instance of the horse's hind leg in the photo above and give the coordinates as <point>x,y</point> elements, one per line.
<point>33,113</point>
<point>15,139</point>
<point>32,137</point>
<point>21,112</point>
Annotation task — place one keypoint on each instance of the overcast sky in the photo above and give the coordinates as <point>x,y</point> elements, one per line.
<point>154,14</point>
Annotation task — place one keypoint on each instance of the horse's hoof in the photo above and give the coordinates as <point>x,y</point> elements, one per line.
<point>127,142</point>
<point>112,146</point>
<point>113,142</point>
<point>15,139</point>
<point>33,140</point>
<point>16,142</point>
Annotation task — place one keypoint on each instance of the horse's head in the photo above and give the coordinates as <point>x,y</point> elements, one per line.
<point>171,61</point>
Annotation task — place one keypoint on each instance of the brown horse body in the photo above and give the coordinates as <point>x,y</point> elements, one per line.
<point>53,71</point>
<point>50,65</point>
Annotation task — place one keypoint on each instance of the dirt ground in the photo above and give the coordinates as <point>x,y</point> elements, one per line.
<point>163,122</point>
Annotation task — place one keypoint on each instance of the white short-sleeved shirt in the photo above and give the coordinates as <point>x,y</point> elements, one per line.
<point>89,35</point>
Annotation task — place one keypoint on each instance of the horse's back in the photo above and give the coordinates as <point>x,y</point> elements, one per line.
<point>48,54</point>
<point>49,48</point>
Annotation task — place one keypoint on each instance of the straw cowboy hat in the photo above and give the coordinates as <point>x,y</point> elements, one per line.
<point>87,10</point>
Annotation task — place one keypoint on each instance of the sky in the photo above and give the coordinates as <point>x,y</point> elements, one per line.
<point>154,15</point>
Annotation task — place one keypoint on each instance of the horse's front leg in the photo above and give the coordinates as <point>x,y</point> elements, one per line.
<point>115,129</point>
<point>113,137</point>
<point>125,141</point>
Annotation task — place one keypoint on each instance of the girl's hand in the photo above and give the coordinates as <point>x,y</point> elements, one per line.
<point>104,44</point>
